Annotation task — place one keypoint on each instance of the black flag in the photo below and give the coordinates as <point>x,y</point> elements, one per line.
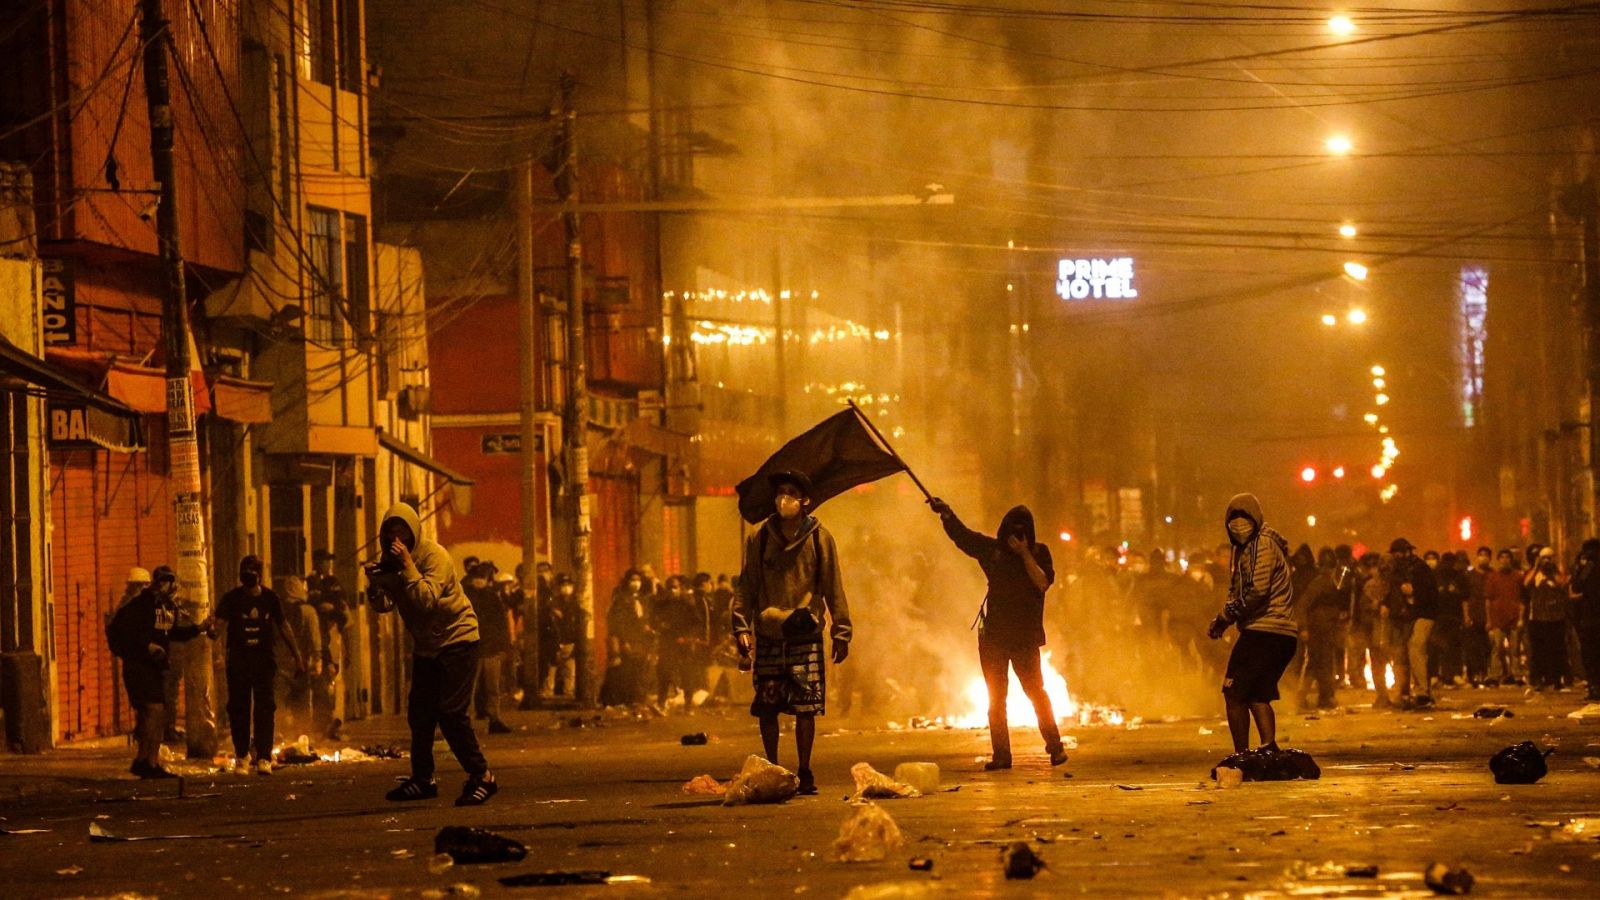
<point>841,452</point>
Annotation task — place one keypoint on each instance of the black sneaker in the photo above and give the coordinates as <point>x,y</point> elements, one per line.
<point>477,791</point>
<point>808,783</point>
<point>412,789</point>
<point>997,764</point>
<point>498,727</point>
<point>1058,756</point>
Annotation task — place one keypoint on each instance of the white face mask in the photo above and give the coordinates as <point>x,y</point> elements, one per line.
<point>788,507</point>
<point>1240,529</point>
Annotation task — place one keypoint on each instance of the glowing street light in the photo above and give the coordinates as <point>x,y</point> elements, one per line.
<point>1341,26</point>
<point>1311,521</point>
<point>1329,319</point>
<point>1381,399</point>
<point>1308,474</point>
<point>1356,317</point>
<point>1379,383</point>
<point>1370,418</point>
<point>1347,230</point>
<point>1340,145</point>
<point>1378,471</point>
<point>1378,372</point>
<point>1355,270</point>
<point>1338,472</point>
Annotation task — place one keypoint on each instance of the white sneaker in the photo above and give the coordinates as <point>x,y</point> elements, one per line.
<point>263,767</point>
<point>241,766</point>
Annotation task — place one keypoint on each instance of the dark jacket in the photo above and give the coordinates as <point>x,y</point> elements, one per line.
<point>494,629</point>
<point>791,574</point>
<point>1014,607</point>
<point>1424,603</point>
<point>150,618</point>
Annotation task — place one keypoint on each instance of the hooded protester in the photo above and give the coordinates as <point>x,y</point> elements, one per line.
<point>789,586</point>
<point>1019,570</point>
<point>1261,604</point>
<point>253,616</point>
<point>1414,606</point>
<point>628,639</point>
<point>141,634</point>
<point>417,577</point>
<point>1325,609</point>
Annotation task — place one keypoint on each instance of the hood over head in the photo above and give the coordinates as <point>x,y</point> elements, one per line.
<point>1248,507</point>
<point>1018,517</point>
<point>406,514</point>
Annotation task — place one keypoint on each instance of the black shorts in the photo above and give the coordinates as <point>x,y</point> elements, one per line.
<point>145,683</point>
<point>1258,661</point>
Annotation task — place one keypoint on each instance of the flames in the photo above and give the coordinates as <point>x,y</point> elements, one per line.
<point>1388,676</point>
<point>1019,710</point>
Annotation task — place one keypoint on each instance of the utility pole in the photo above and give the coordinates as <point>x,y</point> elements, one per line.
<point>527,317</point>
<point>1588,209</point>
<point>183,446</point>
<point>577,412</point>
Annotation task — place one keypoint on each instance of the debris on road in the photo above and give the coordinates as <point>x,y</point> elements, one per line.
<point>561,879</point>
<point>894,890</point>
<point>69,870</point>
<point>1493,712</point>
<point>924,776</point>
<point>760,782</point>
<point>1267,764</point>
<point>867,835</point>
<point>440,863</point>
<point>99,835</point>
<point>1584,829</point>
<point>874,785</point>
<point>1130,787</point>
<point>921,864</point>
<point>1021,862</point>
<point>469,846</point>
<point>459,889</point>
<point>24,830</point>
<point>1227,777</point>
<point>704,785</point>
<point>1330,871</point>
<point>1522,763</point>
<point>1592,762</point>
<point>1592,711</point>
<point>1441,879</point>
<point>698,739</point>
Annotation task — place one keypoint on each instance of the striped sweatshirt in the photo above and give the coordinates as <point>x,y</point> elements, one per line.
<point>1260,594</point>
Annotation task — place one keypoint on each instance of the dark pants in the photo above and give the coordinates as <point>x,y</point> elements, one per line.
<point>1446,651</point>
<point>1547,652</point>
<point>1589,641</point>
<point>250,685</point>
<point>1475,651</point>
<point>1322,656</point>
<point>441,698</point>
<point>995,659</point>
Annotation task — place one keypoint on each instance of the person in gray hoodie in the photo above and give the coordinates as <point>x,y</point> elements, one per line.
<point>1261,603</point>
<point>417,577</point>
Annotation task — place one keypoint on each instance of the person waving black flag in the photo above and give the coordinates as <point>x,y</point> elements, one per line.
<point>841,452</point>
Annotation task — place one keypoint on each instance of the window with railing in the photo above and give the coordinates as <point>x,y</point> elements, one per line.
<point>325,293</point>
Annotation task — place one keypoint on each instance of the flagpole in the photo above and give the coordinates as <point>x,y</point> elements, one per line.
<point>885,441</point>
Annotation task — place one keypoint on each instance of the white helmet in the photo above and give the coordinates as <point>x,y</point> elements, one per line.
<point>139,575</point>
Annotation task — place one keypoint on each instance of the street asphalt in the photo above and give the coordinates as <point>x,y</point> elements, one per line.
<point>1133,812</point>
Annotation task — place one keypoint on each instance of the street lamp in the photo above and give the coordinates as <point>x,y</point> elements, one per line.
<point>1341,25</point>
<point>1355,270</point>
<point>1379,371</point>
<point>1356,316</point>
<point>1347,230</point>
<point>1340,145</point>
<point>1329,319</point>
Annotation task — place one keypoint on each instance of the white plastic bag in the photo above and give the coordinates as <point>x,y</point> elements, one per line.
<point>867,836</point>
<point>760,782</point>
<point>874,785</point>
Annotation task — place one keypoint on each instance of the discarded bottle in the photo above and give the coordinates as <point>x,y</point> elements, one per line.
<point>467,846</point>
<point>924,776</point>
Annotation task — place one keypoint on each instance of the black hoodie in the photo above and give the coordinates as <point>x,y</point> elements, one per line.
<point>1014,612</point>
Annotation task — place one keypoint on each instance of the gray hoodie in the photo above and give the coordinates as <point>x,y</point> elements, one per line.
<point>1260,593</point>
<point>786,575</point>
<point>427,592</point>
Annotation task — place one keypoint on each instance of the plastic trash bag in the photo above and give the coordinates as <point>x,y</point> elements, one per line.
<point>1266,764</point>
<point>760,782</point>
<point>705,785</point>
<point>468,846</point>
<point>874,785</point>
<point>924,776</point>
<point>1520,764</point>
<point>1021,862</point>
<point>867,836</point>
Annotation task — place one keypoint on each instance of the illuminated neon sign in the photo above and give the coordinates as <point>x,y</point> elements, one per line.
<point>1096,279</point>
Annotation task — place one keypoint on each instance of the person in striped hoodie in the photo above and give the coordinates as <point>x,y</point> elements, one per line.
<point>1261,604</point>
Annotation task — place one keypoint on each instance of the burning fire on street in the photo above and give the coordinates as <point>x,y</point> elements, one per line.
<point>1019,709</point>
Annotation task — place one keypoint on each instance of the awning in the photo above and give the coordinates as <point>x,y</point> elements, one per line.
<point>460,485</point>
<point>111,424</point>
<point>238,400</point>
<point>145,389</point>
<point>417,458</point>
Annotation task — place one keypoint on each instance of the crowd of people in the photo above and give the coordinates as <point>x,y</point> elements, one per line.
<point>1401,624</point>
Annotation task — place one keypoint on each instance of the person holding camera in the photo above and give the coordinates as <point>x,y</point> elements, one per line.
<point>417,577</point>
<point>789,584</point>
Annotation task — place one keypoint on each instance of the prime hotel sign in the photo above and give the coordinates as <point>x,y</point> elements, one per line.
<point>1096,279</point>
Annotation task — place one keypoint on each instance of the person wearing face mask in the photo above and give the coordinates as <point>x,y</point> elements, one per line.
<point>790,584</point>
<point>627,642</point>
<point>1261,605</point>
<point>1474,624</point>
<point>141,634</point>
<point>1414,603</point>
<point>1502,589</point>
<point>1019,571</point>
<point>559,630</point>
<point>252,616</point>
<point>1546,621</point>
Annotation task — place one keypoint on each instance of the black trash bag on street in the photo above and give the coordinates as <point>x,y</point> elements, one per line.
<point>1441,879</point>
<point>1520,764</point>
<point>474,845</point>
<point>1021,862</point>
<point>1272,764</point>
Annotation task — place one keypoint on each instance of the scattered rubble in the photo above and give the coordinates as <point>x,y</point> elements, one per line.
<point>469,846</point>
<point>1493,712</point>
